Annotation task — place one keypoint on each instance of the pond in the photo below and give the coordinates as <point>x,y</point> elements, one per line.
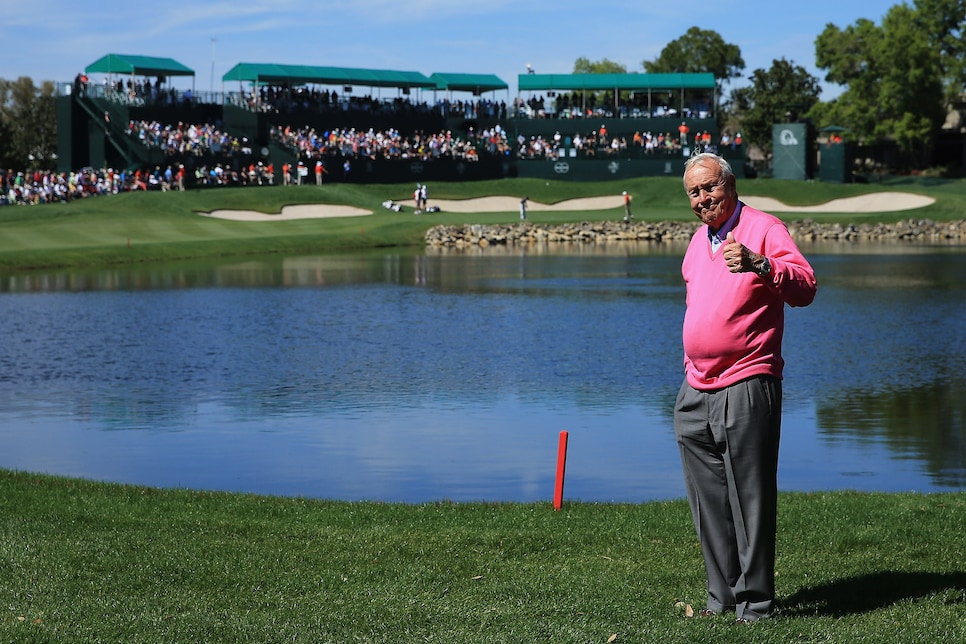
<point>419,375</point>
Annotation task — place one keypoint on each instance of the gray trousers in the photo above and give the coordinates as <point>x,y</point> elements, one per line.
<point>729,451</point>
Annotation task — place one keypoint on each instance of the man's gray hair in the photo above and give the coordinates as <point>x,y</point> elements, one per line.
<point>710,157</point>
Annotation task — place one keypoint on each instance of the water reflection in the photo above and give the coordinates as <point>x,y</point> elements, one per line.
<point>423,375</point>
<point>922,423</point>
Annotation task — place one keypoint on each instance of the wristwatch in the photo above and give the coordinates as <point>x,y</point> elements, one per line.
<point>763,267</point>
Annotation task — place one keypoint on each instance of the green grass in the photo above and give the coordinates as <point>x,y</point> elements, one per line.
<point>84,562</point>
<point>157,227</point>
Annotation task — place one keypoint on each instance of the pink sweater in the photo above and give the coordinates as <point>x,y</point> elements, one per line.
<point>734,321</point>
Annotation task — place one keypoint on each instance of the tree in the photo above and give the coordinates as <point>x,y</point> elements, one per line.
<point>28,125</point>
<point>584,66</point>
<point>944,23</point>
<point>733,113</point>
<point>893,77</point>
<point>783,93</point>
<point>849,58</point>
<point>699,51</point>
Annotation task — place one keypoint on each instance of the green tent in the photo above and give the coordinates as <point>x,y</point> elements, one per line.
<point>475,83</point>
<point>630,82</point>
<point>664,84</point>
<point>138,66</point>
<point>270,73</point>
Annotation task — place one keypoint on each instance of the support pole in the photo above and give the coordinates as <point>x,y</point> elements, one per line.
<point>561,468</point>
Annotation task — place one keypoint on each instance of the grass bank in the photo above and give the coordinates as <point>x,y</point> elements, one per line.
<point>84,561</point>
<point>157,227</point>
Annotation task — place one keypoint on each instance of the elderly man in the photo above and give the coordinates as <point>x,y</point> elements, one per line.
<point>740,270</point>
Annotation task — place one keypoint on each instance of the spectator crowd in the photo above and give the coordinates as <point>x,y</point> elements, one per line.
<point>281,99</point>
<point>216,158</point>
<point>390,144</point>
<point>596,143</point>
<point>187,139</point>
<point>41,187</point>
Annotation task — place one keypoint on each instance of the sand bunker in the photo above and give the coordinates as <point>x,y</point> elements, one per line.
<point>301,211</point>
<point>877,202</point>
<point>504,203</point>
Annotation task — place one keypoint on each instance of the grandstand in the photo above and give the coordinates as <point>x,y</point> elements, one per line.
<point>372,125</point>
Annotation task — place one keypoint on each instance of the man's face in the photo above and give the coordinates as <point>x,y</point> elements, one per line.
<point>712,199</point>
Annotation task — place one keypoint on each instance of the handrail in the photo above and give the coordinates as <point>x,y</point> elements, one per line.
<point>114,123</point>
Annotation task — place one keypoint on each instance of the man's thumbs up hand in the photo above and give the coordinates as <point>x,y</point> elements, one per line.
<point>742,260</point>
<point>735,255</point>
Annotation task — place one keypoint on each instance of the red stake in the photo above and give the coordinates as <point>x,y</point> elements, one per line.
<point>561,467</point>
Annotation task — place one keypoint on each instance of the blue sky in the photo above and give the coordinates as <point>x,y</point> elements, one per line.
<point>56,39</point>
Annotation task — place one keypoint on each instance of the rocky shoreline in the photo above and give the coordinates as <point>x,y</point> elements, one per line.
<point>806,230</point>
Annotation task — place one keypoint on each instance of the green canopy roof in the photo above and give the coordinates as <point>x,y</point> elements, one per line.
<point>301,74</point>
<point>138,65</point>
<point>476,83</point>
<point>597,82</point>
